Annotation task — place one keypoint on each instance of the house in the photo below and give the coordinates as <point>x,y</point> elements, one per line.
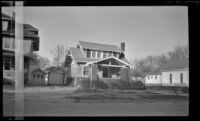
<point>37,78</point>
<point>154,78</point>
<point>176,73</point>
<point>31,45</point>
<point>109,58</point>
<point>56,76</point>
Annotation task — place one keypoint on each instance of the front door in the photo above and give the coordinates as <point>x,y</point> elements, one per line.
<point>105,72</point>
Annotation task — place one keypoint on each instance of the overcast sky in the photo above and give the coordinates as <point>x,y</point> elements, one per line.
<point>145,30</point>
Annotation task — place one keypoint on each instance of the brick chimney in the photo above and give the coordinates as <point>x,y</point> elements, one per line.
<point>123,46</point>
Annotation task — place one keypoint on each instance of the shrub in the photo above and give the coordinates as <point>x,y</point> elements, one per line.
<point>83,82</point>
<point>119,84</point>
<point>102,85</point>
<point>70,80</point>
<point>138,85</point>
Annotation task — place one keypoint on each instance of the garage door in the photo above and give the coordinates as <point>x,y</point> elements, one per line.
<point>56,78</point>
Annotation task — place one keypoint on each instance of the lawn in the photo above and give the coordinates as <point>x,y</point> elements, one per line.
<point>122,95</point>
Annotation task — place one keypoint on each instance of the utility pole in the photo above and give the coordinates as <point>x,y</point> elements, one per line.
<point>19,60</point>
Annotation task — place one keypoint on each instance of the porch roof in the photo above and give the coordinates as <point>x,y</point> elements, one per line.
<point>111,57</point>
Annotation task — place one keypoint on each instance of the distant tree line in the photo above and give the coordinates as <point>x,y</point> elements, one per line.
<point>153,63</point>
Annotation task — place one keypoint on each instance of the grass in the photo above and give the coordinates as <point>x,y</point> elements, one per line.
<point>114,95</point>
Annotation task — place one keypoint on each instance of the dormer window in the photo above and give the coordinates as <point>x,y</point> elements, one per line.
<point>98,54</point>
<point>104,54</point>
<point>94,54</point>
<point>4,25</point>
<point>109,54</point>
<point>115,54</point>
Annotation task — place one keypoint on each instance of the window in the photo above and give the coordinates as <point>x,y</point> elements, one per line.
<point>94,54</point>
<point>85,70</point>
<point>170,78</point>
<point>105,72</point>
<point>148,77</point>
<point>8,43</point>
<point>34,75</point>
<point>104,54</point>
<point>38,76</point>
<point>109,54</point>
<point>88,53</point>
<point>155,76</point>
<point>41,76</point>
<point>181,78</point>
<point>4,25</point>
<point>7,63</point>
<point>98,54</point>
<point>115,54</point>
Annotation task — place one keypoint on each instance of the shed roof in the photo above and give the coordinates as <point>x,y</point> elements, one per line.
<point>97,46</point>
<point>53,68</point>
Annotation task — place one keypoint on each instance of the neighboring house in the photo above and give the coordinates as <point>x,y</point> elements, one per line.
<point>176,73</point>
<point>37,78</point>
<point>153,78</point>
<point>109,58</point>
<point>56,76</point>
<point>31,44</point>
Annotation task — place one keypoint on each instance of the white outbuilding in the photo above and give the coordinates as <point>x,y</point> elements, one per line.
<point>176,73</point>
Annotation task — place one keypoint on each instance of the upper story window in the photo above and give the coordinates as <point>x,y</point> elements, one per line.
<point>104,54</point>
<point>88,53</point>
<point>98,54</point>
<point>109,54</point>
<point>8,43</point>
<point>4,25</point>
<point>115,54</point>
<point>94,54</point>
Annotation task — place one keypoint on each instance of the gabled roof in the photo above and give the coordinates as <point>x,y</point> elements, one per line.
<point>27,27</point>
<point>111,58</point>
<point>4,16</point>
<point>78,56</point>
<point>97,46</point>
<point>177,64</point>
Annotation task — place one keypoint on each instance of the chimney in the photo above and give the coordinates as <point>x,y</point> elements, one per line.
<point>123,46</point>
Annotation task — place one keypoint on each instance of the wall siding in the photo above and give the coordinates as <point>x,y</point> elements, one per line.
<point>175,77</point>
<point>153,80</point>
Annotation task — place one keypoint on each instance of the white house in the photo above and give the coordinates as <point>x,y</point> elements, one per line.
<point>153,79</point>
<point>175,73</point>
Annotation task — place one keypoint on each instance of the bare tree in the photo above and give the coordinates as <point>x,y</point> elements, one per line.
<point>59,53</point>
<point>43,62</point>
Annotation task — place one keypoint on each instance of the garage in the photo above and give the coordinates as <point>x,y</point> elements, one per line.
<point>56,77</point>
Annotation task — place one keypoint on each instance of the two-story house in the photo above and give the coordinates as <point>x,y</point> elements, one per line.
<point>31,44</point>
<point>109,58</point>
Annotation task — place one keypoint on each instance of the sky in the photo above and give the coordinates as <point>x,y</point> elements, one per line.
<point>146,30</point>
